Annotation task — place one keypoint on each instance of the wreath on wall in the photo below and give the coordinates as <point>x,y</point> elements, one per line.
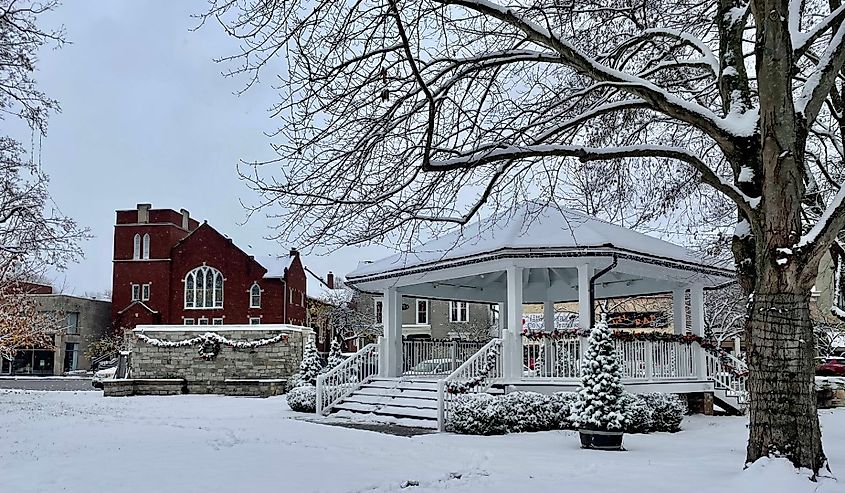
<point>209,348</point>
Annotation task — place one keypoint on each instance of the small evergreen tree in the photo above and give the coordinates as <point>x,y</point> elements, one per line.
<point>335,356</point>
<point>599,405</point>
<point>309,368</point>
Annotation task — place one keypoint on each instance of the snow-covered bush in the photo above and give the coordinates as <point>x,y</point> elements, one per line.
<point>598,406</point>
<point>476,414</point>
<point>335,355</point>
<point>638,414</point>
<point>303,399</point>
<point>668,411</point>
<point>525,411</point>
<point>560,408</point>
<point>309,367</point>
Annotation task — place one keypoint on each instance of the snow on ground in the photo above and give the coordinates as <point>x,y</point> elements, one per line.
<point>82,442</point>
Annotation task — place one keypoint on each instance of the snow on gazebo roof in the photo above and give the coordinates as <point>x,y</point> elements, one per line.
<point>528,227</point>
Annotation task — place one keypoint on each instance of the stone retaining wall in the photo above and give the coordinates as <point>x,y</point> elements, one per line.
<point>259,369</point>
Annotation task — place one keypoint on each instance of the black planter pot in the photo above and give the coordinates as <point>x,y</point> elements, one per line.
<point>601,440</point>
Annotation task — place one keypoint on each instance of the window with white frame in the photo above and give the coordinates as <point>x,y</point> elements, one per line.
<point>254,320</point>
<point>204,288</point>
<point>136,247</point>
<point>422,312</point>
<point>378,312</point>
<point>217,321</point>
<point>145,292</point>
<point>145,251</point>
<point>458,311</point>
<point>136,292</point>
<point>255,296</point>
<point>302,298</point>
<point>189,321</point>
<point>202,321</point>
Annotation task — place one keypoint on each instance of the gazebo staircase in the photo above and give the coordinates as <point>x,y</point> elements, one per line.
<point>409,401</point>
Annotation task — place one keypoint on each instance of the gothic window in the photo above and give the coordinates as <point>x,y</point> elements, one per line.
<point>204,288</point>
<point>255,296</point>
<point>136,247</point>
<point>145,252</point>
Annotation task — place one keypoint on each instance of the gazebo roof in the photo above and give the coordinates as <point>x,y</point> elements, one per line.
<point>533,231</point>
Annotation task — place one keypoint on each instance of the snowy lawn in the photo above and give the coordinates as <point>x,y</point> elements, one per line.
<point>83,442</point>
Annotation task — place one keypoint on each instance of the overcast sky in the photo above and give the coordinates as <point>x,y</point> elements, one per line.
<point>148,117</point>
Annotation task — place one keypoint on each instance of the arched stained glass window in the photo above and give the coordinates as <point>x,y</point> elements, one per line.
<point>204,288</point>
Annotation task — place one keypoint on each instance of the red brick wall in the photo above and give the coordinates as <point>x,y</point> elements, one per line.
<point>296,285</point>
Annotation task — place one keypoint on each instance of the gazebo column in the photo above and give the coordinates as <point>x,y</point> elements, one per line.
<point>679,310</point>
<point>585,311</point>
<point>697,324</point>
<point>390,356</point>
<point>503,320</point>
<point>549,355</point>
<point>512,342</point>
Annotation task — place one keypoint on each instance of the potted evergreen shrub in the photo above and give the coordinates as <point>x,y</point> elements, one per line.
<point>598,410</point>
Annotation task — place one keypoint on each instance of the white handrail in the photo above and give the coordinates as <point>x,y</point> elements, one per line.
<point>339,382</point>
<point>725,379</point>
<point>474,369</point>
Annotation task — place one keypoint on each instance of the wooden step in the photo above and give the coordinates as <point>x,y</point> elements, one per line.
<point>420,394</point>
<point>395,411</point>
<point>393,401</point>
<point>403,385</point>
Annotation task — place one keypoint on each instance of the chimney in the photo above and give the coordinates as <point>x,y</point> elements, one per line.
<point>186,219</point>
<point>144,213</point>
<point>294,252</point>
<point>330,280</point>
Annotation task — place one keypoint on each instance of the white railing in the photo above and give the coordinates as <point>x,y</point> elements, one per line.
<point>475,375</point>
<point>547,357</point>
<point>431,357</point>
<point>643,361</point>
<point>727,379</point>
<point>339,382</point>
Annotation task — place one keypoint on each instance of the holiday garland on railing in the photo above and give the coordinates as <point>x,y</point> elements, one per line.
<point>209,343</point>
<point>492,359</point>
<point>625,336</point>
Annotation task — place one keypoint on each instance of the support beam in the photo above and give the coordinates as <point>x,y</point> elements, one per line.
<point>548,346</point>
<point>513,348</point>
<point>679,311</point>
<point>390,359</point>
<point>585,311</point>
<point>696,297</point>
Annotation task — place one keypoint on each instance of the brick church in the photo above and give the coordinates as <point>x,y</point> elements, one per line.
<point>170,269</point>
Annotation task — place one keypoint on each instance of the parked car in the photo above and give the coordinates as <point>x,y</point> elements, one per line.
<point>435,366</point>
<point>100,375</point>
<point>830,366</point>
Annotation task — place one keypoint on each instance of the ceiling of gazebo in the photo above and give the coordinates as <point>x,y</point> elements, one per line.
<point>549,243</point>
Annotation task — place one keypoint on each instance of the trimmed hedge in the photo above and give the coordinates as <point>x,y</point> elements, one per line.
<point>485,414</point>
<point>303,399</point>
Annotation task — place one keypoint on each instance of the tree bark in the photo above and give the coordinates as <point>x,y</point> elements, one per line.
<point>783,417</point>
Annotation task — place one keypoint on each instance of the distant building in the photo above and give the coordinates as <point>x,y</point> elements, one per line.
<point>437,319</point>
<point>78,322</point>
<point>170,269</point>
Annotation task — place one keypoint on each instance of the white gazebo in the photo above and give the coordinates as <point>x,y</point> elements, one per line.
<point>544,254</point>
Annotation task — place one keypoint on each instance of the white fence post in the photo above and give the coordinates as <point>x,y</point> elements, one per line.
<point>649,360</point>
<point>441,405</point>
<point>320,383</point>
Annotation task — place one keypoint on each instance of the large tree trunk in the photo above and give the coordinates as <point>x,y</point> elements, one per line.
<point>783,417</point>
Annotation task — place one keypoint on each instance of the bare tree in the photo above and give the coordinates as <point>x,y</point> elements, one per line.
<point>724,313</point>
<point>22,325</point>
<point>472,330</point>
<point>339,313</point>
<point>34,234</point>
<point>400,119</point>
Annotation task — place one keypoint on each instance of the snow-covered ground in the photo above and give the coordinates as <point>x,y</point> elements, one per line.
<point>83,442</point>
